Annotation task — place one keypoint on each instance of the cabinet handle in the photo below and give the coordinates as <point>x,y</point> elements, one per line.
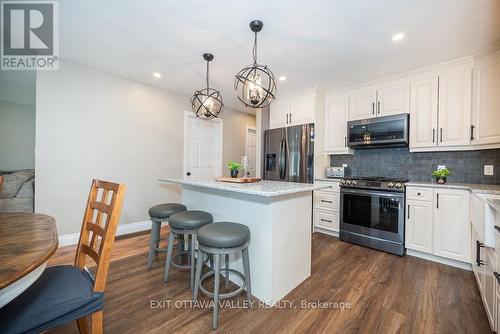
<point>441,134</point>
<point>286,118</point>
<point>373,108</point>
<point>345,141</point>
<point>497,276</point>
<point>437,201</point>
<point>408,211</point>
<point>418,194</point>
<point>325,220</point>
<point>324,201</point>
<point>433,135</point>
<point>378,107</point>
<point>472,132</point>
<point>290,117</point>
<point>478,253</point>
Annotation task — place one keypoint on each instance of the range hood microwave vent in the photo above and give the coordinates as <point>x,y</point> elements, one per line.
<point>386,131</point>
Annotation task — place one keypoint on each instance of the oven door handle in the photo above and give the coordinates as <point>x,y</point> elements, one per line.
<point>371,193</point>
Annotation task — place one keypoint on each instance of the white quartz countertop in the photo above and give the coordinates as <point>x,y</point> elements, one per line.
<point>492,189</point>
<point>262,188</point>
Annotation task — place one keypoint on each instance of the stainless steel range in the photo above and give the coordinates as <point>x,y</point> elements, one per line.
<point>372,212</point>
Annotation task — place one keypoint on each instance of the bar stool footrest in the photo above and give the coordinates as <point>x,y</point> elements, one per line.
<point>177,256</point>
<point>222,295</point>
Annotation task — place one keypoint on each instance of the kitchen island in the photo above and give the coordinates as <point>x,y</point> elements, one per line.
<point>279,215</point>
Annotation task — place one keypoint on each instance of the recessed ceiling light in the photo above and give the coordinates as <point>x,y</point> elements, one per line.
<point>398,37</point>
<point>282,78</point>
<point>157,75</point>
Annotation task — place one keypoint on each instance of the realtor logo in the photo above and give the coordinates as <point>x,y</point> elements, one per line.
<point>29,38</point>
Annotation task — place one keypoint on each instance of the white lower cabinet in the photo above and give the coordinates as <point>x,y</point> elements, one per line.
<point>326,208</point>
<point>419,226</point>
<point>439,225</point>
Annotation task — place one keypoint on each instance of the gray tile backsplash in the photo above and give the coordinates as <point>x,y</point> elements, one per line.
<point>465,166</point>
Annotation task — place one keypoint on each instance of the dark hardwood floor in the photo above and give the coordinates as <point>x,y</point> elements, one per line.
<point>386,293</point>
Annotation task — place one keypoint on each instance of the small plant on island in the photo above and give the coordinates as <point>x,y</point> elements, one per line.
<point>441,174</point>
<point>234,167</point>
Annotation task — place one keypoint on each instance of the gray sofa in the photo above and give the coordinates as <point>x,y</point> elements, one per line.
<point>18,191</point>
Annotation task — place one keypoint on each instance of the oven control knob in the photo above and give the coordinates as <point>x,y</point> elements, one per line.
<point>354,182</point>
<point>348,182</point>
<point>398,185</point>
<point>390,185</point>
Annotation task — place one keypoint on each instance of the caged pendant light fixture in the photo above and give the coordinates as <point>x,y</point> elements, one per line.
<point>255,85</point>
<point>207,103</point>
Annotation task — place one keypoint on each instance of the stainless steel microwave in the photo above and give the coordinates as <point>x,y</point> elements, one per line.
<point>385,131</point>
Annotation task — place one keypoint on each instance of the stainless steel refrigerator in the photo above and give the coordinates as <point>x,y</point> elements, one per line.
<point>289,154</point>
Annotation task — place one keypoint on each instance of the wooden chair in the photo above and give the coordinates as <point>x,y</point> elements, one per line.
<point>62,285</point>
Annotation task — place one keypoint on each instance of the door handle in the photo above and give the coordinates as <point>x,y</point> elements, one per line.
<point>441,134</point>
<point>188,173</point>
<point>433,135</point>
<point>378,107</point>
<point>472,132</point>
<point>373,108</point>
<point>478,253</point>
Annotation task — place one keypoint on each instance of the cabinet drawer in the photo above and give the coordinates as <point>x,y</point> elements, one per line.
<point>419,194</point>
<point>332,186</point>
<point>326,200</point>
<point>326,220</point>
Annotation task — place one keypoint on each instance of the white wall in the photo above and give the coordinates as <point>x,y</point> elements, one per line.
<point>92,124</point>
<point>17,136</point>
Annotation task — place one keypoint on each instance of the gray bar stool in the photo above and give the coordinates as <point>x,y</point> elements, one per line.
<point>222,239</point>
<point>160,213</point>
<point>185,223</point>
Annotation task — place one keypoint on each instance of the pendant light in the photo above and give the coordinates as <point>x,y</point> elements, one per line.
<point>255,85</point>
<point>207,103</point>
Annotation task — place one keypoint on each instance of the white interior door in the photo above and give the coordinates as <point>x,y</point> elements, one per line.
<point>202,147</point>
<point>251,150</point>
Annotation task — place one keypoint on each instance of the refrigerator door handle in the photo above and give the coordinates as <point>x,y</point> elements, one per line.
<point>282,165</point>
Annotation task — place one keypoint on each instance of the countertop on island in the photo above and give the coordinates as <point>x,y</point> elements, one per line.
<point>491,189</point>
<point>263,188</point>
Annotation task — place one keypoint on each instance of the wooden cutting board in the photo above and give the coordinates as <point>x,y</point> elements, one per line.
<point>237,179</point>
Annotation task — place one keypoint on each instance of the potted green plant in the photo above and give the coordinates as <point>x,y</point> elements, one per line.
<point>234,167</point>
<point>441,174</point>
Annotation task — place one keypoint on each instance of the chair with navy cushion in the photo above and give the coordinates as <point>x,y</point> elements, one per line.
<point>160,214</point>
<point>218,239</point>
<point>186,223</point>
<point>65,293</point>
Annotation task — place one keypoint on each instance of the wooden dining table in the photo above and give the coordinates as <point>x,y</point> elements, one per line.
<point>27,241</point>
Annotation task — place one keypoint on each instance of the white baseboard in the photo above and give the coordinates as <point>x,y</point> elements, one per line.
<point>72,239</point>
<point>434,258</point>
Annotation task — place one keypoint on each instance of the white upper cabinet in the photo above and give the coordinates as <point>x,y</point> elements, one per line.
<point>302,110</point>
<point>294,110</point>
<point>393,98</point>
<point>451,224</point>
<point>455,94</point>
<point>363,103</point>
<point>335,124</point>
<point>423,115</point>
<point>440,109</point>
<point>278,114</point>
<point>486,103</point>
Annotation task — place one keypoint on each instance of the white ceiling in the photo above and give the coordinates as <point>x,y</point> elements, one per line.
<point>329,44</point>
